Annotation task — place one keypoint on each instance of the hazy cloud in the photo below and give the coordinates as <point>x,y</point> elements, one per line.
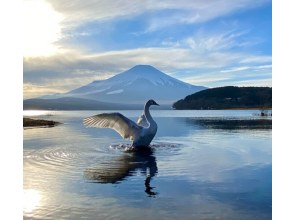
<point>73,70</point>
<point>260,75</point>
<point>184,11</point>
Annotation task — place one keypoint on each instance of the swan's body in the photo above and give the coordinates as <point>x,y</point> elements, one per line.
<point>141,133</point>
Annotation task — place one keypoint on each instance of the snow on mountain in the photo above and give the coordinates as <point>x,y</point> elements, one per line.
<point>134,86</point>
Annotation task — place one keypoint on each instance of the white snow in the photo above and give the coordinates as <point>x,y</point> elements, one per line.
<point>115,92</point>
<point>123,87</point>
<point>97,90</point>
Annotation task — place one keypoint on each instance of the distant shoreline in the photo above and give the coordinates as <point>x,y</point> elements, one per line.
<point>28,122</point>
<point>255,108</point>
<point>228,97</point>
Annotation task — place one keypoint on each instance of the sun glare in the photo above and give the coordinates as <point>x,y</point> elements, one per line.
<point>28,113</point>
<point>31,200</point>
<point>41,28</point>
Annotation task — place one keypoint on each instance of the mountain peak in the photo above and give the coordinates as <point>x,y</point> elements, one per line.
<point>143,69</point>
<point>134,86</point>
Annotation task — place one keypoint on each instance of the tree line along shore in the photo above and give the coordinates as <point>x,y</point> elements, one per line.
<point>28,122</point>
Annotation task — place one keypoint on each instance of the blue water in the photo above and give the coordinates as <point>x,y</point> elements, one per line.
<point>203,165</point>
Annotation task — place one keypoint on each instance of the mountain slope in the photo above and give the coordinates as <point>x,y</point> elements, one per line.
<point>134,86</point>
<point>228,97</point>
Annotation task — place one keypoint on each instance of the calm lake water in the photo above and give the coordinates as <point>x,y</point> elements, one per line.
<point>203,165</point>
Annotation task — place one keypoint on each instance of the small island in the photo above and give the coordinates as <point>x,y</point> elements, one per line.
<point>228,97</point>
<point>28,122</point>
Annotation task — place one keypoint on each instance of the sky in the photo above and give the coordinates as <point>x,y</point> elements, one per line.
<point>214,43</point>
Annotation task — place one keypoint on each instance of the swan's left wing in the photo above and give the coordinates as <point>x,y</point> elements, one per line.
<point>121,124</point>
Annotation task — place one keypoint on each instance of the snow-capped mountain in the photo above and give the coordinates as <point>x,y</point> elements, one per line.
<point>135,86</point>
<point>126,90</point>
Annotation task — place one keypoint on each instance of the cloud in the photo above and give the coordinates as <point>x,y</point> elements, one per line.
<point>45,36</point>
<point>255,82</point>
<point>218,80</point>
<point>71,70</point>
<point>256,59</point>
<point>236,69</point>
<point>204,41</point>
<point>30,90</point>
<point>253,68</point>
<point>164,13</point>
<point>260,75</point>
<point>168,59</point>
<point>42,28</point>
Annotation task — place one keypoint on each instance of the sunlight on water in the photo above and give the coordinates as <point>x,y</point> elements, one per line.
<point>36,113</point>
<point>31,200</point>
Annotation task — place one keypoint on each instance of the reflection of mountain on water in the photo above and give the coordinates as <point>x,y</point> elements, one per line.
<point>118,169</point>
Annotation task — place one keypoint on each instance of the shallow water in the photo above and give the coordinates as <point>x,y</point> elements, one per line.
<point>202,165</point>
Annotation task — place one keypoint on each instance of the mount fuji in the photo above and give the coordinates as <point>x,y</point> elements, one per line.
<point>130,88</point>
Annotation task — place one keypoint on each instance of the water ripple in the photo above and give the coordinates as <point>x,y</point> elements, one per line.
<point>51,158</point>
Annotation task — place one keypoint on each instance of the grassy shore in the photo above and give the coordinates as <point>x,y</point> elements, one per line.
<point>28,122</point>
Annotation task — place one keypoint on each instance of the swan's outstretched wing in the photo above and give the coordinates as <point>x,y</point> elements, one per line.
<point>142,121</point>
<point>124,126</point>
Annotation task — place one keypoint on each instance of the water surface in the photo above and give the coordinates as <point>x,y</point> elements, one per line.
<point>202,165</point>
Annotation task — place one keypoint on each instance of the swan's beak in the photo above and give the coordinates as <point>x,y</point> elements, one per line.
<point>156,104</point>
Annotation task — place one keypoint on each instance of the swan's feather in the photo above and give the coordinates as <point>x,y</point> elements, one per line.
<point>142,121</point>
<point>121,124</point>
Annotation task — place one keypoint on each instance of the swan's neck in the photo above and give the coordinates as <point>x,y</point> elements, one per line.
<point>148,116</point>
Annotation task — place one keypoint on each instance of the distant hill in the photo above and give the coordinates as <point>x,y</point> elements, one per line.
<point>130,88</point>
<point>228,97</point>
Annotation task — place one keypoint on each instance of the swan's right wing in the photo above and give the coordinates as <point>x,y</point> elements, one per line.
<point>142,121</point>
<point>121,124</point>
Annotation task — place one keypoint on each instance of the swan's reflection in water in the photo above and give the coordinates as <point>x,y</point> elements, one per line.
<point>116,170</point>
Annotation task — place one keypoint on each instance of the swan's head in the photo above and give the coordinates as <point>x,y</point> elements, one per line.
<point>151,102</point>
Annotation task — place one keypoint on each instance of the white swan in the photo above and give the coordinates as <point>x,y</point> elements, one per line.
<point>141,133</point>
